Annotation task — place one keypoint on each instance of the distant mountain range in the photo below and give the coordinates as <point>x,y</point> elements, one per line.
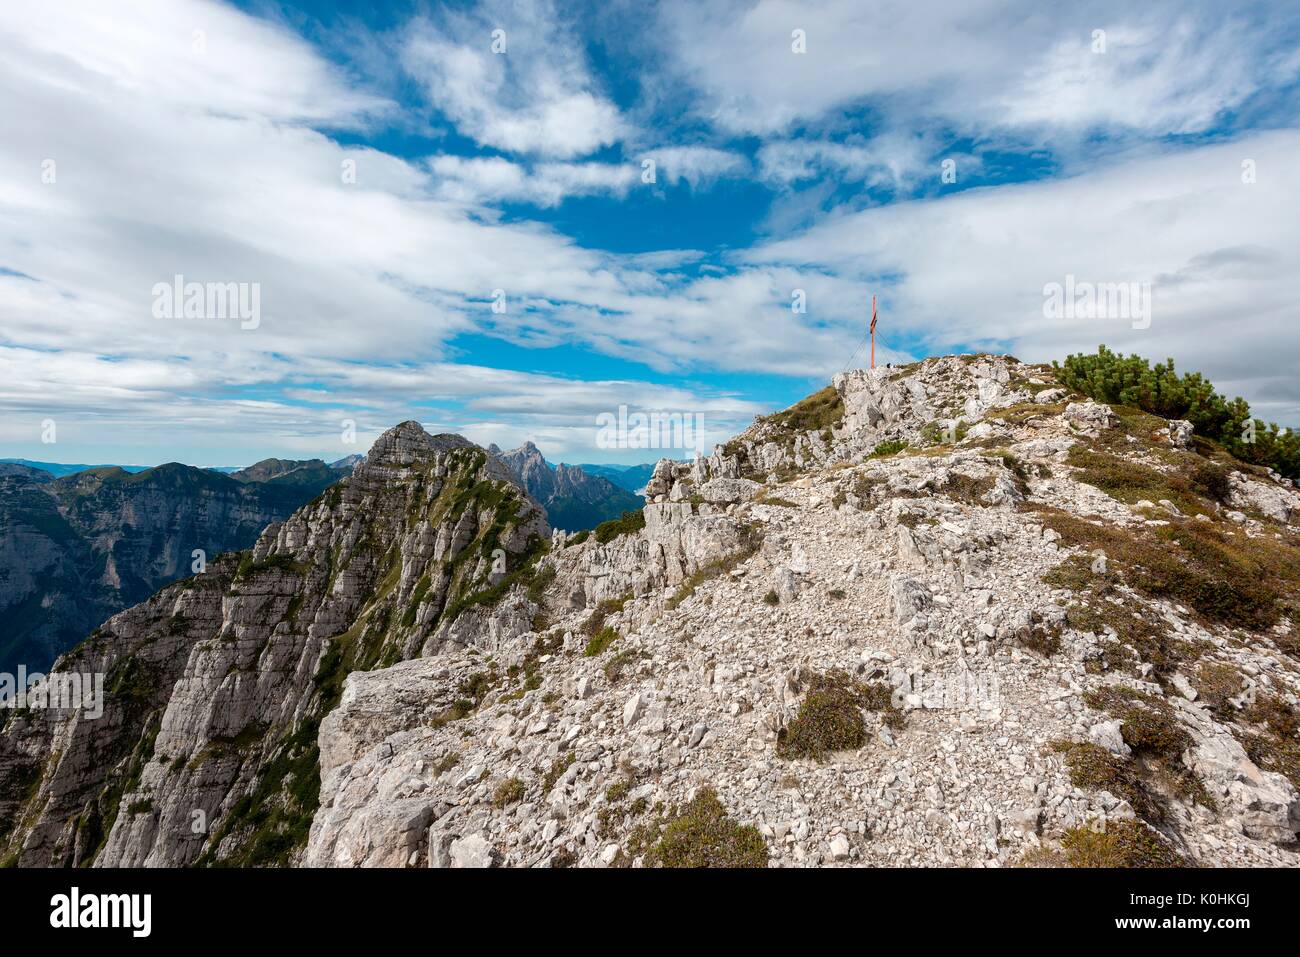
<point>630,477</point>
<point>79,543</point>
<point>61,469</point>
<point>77,548</point>
<point>573,498</point>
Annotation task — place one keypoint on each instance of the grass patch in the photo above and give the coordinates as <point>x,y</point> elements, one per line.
<point>600,641</point>
<point>1127,844</point>
<point>1149,726</point>
<point>817,412</point>
<point>1093,768</point>
<point>968,488</point>
<point>1274,741</point>
<point>619,663</point>
<point>448,762</point>
<point>1022,412</point>
<point>1130,482</point>
<point>508,792</point>
<point>1226,577</point>
<point>556,771</point>
<point>599,635</point>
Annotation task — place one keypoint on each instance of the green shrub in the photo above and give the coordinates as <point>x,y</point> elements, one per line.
<point>702,835</point>
<point>1160,390</point>
<point>886,449</point>
<point>1211,481</point>
<point>628,523</point>
<point>830,718</point>
<point>771,598</point>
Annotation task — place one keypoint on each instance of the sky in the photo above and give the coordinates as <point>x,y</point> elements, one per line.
<point>510,219</point>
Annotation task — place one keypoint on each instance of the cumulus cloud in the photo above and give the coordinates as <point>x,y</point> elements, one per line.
<point>888,159</point>
<point>977,66</point>
<point>216,158</point>
<point>513,77</point>
<point>494,179</point>
<point>1222,256</point>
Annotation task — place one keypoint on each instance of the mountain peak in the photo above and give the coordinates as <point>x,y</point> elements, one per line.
<point>407,441</point>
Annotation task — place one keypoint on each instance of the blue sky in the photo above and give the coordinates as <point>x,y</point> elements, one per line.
<point>379,172</point>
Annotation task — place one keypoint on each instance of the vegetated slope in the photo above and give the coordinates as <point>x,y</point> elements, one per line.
<point>77,549</point>
<point>944,614</point>
<point>309,473</point>
<point>574,500</point>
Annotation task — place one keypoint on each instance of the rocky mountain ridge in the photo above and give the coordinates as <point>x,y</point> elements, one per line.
<point>76,549</point>
<point>948,614</point>
<point>574,500</point>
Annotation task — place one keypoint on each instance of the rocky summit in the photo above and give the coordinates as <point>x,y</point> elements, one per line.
<point>950,613</point>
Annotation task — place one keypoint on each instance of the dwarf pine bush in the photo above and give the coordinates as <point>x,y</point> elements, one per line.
<point>1161,390</point>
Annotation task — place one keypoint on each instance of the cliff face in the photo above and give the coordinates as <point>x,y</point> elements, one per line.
<point>574,500</point>
<point>944,614</point>
<point>207,750</point>
<point>77,549</point>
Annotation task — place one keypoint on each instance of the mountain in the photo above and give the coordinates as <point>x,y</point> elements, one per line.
<point>261,471</point>
<point>308,473</point>
<point>58,469</point>
<point>218,683</point>
<point>573,499</point>
<point>631,478</point>
<point>77,549</point>
<point>951,613</point>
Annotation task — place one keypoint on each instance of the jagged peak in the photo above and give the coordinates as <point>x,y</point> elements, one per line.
<point>404,442</point>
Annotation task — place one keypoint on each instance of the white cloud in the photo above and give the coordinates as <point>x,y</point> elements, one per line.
<point>890,159</point>
<point>975,65</point>
<point>493,179</point>
<point>1223,257</point>
<point>695,165</point>
<point>537,96</point>
<point>212,169</point>
<point>202,406</point>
